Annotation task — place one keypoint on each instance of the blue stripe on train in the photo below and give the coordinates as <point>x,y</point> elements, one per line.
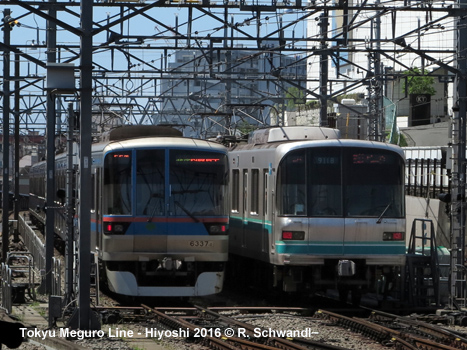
<point>324,248</point>
<point>162,229</point>
<point>172,228</point>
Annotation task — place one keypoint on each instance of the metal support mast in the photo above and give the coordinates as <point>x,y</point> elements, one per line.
<point>70,212</point>
<point>85,162</point>
<point>457,279</point>
<point>50,161</point>
<point>375,88</point>
<point>324,69</point>
<point>84,318</point>
<point>6,134</point>
<point>17,127</point>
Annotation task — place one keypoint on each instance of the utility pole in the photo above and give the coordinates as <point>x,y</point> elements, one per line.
<point>50,160</point>
<point>17,126</point>
<point>375,88</point>
<point>6,134</point>
<point>324,69</point>
<point>70,234</point>
<point>86,319</point>
<point>457,289</point>
<point>83,317</point>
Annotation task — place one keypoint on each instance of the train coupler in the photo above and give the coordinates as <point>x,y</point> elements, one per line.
<point>346,268</point>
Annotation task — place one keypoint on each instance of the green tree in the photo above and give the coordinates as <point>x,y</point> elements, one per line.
<point>418,83</point>
<point>245,128</point>
<point>294,97</point>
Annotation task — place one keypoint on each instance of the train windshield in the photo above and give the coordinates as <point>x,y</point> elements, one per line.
<point>198,183</point>
<point>374,183</point>
<point>117,183</point>
<point>150,182</point>
<point>195,183</point>
<point>341,182</point>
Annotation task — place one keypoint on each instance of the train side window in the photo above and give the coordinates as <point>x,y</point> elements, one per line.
<point>245,191</point>
<point>254,192</point>
<point>93,186</point>
<point>235,191</point>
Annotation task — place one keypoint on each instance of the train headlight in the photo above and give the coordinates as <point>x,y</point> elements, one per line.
<point>118,229</point>
<point>393,236</point>
<point>115,228</point>
<point>293,235</point>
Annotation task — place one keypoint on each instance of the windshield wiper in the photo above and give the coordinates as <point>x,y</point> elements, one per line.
<point>384,212</point>
<point>187,212</point>
<point>153,195</point>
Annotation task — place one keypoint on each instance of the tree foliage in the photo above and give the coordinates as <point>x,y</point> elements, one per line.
<point>294,97</point>
<point>418,83</point>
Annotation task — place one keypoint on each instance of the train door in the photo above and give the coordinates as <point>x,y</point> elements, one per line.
<point>95,227</point>
<point>266,224</point>
<point>150,200</point>
<point>236,219</point>
<point>325,208</point>
<point>97,199</point>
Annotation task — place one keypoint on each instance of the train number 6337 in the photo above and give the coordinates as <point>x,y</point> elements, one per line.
<point>201,244</point>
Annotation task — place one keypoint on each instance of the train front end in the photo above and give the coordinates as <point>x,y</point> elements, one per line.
<point>340,218</point>
<point>164,229</point>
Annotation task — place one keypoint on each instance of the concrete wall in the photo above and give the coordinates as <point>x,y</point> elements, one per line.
<point>433,209</point>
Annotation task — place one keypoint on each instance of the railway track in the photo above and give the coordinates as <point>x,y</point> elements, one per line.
<point>400,332</point>
<point>231,328</point>
<point>208,327</point>
<point>221,332</point>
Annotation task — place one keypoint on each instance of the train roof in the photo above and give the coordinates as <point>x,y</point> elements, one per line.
<point>286,146</point>
<point>172,142</point>
<point>126,132</point>
<point>143,139</point>
<point>292,133</point>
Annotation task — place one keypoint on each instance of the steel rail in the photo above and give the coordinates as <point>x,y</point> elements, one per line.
<point>385,335</point>
<point>222,342</point>
<point>228,342</point>
<point>281,343</point>
<point>439,334</point>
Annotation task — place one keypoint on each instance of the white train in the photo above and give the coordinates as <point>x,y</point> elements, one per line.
<point>311,211</point>
<point>159,211</point>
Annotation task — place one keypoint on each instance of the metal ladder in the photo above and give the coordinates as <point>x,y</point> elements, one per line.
<point>94,275</point>
<point>422,270</point>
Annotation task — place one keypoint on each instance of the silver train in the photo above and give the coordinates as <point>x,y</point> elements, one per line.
<point>159,211</point>
<point>310,211</point>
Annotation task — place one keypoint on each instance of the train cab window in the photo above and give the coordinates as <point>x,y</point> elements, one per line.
<point>310,183</point>
<point>150,182</point>
<point>292,184</point>
<point>117,183</point>
<point>198,183</point>
<point>367,192</point>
